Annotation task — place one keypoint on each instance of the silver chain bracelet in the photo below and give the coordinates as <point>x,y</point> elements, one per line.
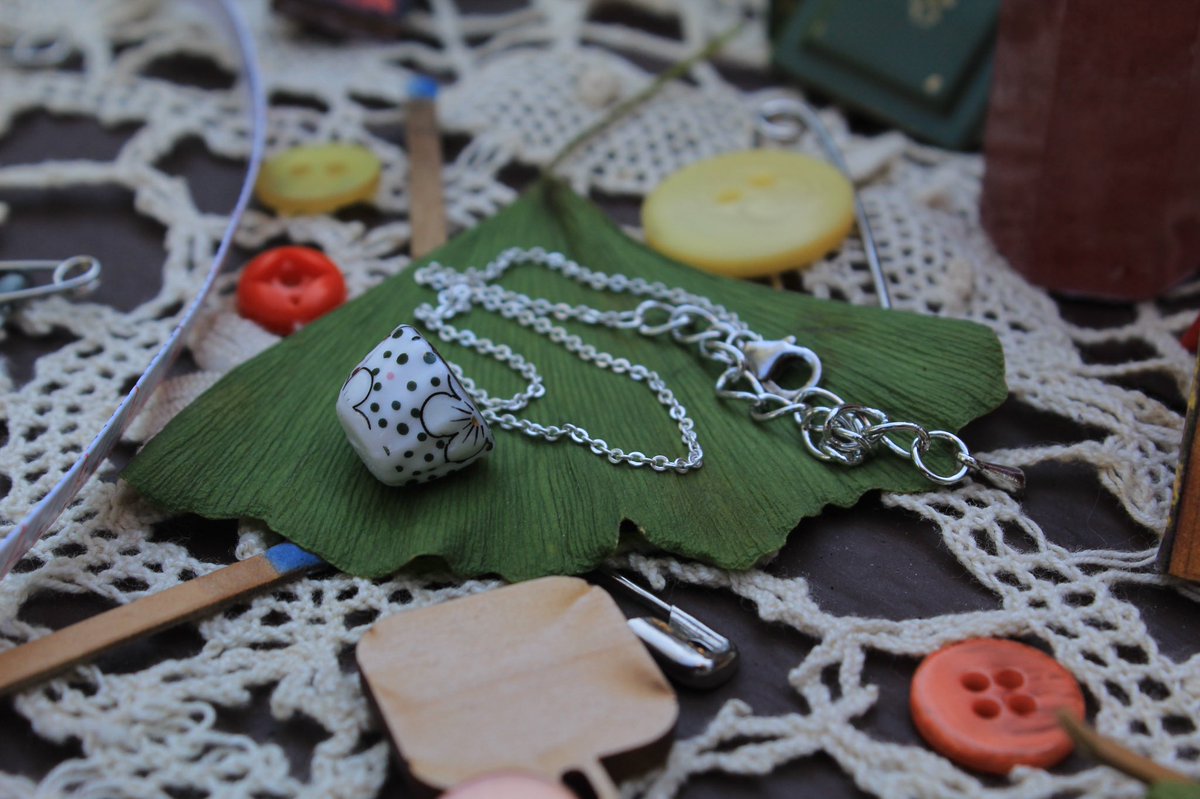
<point>832,429</point>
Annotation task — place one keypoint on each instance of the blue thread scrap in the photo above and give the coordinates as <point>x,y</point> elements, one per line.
<point>287,558</point>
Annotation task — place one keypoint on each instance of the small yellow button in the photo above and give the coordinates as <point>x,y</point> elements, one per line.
<point>318,179</point>
<point>751,213</point>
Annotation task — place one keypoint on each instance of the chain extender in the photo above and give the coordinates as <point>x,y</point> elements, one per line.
<point>833,430</point>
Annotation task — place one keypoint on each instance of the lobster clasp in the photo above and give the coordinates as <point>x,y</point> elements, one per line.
<point>767,361</point>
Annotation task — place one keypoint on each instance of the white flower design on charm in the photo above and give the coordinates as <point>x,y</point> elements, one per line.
<point>446,415</point>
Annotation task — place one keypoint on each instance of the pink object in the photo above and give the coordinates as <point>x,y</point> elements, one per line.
<point>1093,145</point>
<point>509,785</point>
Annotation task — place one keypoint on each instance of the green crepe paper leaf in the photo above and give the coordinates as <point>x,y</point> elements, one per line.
<point>265,441</point>
<point>1174,790</point>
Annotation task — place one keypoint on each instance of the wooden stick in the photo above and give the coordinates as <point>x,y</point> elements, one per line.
<point>1112,754</point>
<point>25,665</point>
<point>427,207</point>
<point>1179,553</point>
<point>599,780</point>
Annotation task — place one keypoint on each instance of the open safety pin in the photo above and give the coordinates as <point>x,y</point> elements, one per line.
<point>688,651</point>
<point>62,277</point>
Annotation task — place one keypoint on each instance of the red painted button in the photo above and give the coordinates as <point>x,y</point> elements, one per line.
<point>287,287</point>
<point>990,704</point>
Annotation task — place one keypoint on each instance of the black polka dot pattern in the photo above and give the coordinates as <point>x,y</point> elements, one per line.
<point>422,423</point>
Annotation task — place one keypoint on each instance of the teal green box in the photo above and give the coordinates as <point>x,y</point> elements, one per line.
<point>923,66</point>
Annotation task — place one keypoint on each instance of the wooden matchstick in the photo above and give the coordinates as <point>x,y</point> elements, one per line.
<point>25,665</point>
<point>427,208</point>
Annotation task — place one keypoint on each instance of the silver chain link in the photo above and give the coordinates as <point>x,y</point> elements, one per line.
<point>832,429</point>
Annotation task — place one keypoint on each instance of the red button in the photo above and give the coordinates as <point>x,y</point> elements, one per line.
<point>287,287</point>
<point>990,704</point>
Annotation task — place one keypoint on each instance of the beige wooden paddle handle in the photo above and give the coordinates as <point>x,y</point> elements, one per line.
<point>601,784</point>
<point>426,205</point>
<point>24,665</point>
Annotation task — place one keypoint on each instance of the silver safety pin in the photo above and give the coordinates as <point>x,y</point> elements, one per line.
<point>689,651</point>
<point>79,274</point>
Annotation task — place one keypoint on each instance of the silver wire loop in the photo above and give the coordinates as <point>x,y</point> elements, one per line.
<point>782,119</point>
<point>79,274</point>
<point>921,446</point>
<point>831,429</point>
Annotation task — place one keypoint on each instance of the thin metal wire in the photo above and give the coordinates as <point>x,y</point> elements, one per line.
<point>768,124</point>
<point>17,541</point>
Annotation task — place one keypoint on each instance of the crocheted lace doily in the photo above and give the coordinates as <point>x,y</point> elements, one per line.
<point>521,81</point>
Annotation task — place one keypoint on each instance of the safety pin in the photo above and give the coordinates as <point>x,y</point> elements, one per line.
<point>688,651</point>
<point>61,280</point>
<point>767,123</point>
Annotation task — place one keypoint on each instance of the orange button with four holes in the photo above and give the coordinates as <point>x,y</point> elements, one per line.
<point>288,287</point>
<point>991,704</point>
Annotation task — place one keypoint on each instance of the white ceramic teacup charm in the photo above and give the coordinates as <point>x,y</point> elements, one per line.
<point>407,415</point>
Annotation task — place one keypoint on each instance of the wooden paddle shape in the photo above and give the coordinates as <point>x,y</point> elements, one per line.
<point>543,677</point>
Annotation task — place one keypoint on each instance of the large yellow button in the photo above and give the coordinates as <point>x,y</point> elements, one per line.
<point>318,179</point>
<point>751,213</point>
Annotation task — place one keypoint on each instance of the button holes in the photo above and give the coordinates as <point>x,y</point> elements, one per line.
<point>1021,704</point>
<point>299,170</point>
<point>1009,678</point>
<point>975,682</point>
<point>335,168</point>
<point>762,180</point>
<point>986,708</point>
<point>729,196</point>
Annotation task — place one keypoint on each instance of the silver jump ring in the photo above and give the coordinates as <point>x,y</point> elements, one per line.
<point>920,447</point>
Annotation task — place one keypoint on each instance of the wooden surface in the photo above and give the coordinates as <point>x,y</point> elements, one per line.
<point>546,679</point>
<point>1180,551</point>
